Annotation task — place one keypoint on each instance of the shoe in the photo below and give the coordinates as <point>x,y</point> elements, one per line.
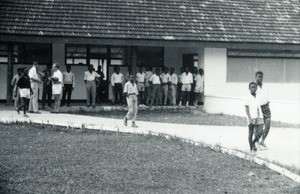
<point>253,149</point>
<point>134,125</point>
<point>125,121</point>
<point>262,144</point>
<point>37,112</point>
<point>25,115</point>
<point>18,111</point>
<point>30,111</point>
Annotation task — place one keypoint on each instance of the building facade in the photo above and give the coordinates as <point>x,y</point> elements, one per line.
<point>230,40</point>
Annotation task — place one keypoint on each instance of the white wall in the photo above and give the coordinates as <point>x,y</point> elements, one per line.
<point>3,81</point>
<point>227,98</point>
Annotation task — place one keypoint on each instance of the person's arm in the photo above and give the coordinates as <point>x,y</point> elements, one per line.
<point>248,114</point>
<point>85,77</point>
<point>15,90</point>
<point>125,92</point>
<point>122,78</point>
<point>73,79</point>
<point>112,79</point>
<point>13,81</point>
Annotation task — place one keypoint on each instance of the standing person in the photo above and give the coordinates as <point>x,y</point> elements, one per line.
<point>140,78</point>
<point>186,80</point>
<point>24,89</point>
<point>192,93</point>
<point>69,85</point>
<point>199,86</point>
<point>165,82</point>
<point>254,116</point>
<point>57,83</point>
<point>117,79</point>
<point>179,84</point>
<point>16,93</point>
<point>131,93</point>
<point>90,77</point>
<point>263,95</point>
<point>148,90</point>
<point>100,85</point>
<point>35,76</point>
<point>155,81</point>
<point>47,87</point>
<point>173,86</point>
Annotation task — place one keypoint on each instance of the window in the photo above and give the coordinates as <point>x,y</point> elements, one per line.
<point>153,56</point>
<point>117,56</point>
<point>76,55</point>
<point>278,67</point>
<point>3,53</point>
<point>27,53</point>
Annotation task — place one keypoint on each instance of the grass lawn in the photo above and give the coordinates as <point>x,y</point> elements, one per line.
<point>50,159</point>
<point>181,115</point>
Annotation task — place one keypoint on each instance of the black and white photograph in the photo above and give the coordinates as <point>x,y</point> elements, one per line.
<point>149,96</point>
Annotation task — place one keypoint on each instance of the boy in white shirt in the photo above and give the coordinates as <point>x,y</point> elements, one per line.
<point>254,116</point>
<point>199,86</point>
<point>140,79</point>
<point>131,93</point>
<point>57,82</point>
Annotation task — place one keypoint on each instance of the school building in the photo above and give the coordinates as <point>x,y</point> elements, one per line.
<point>230,40</point>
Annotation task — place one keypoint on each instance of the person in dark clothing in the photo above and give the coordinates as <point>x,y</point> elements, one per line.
<point>25,91</point>
<point>100,85</point>
<point>47,87</point>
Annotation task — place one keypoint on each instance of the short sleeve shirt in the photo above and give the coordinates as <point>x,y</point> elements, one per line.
<point>90,76</point>
<point>130,88</point>
<point>155,79</point>
<point>263,94</point>
<point>254,106</point>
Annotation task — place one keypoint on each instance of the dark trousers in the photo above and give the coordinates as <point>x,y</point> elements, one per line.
<point>257,130</point>
<point>47,95</point>
<point>267,120</point>
<point>118,92</point>
<point>67,91</point>
<point>25,105</point>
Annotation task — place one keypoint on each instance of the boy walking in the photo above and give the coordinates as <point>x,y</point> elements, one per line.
<point>131,92</point>
<point>25,91</point>
<point>254,116</point>
<point>262,94</point>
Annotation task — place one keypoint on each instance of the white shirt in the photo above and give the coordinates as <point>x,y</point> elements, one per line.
<point>33,74</point>
<point>199,82</point>
<point>90,76</point>
<point>57,87</point>
<point>263,94</point>
<point>140,77</point>
<point>155,79</point>
<point>148,74</point>
<point>254,106</point>
<point>165,78</point>
<point>187,79</point>
<point>174,79</point>
<point>130,88</point>
<point>117,78</point>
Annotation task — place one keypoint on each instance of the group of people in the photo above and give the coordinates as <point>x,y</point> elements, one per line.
<point>26,87</point>
<point>164,87</point>
<point>258,113</point>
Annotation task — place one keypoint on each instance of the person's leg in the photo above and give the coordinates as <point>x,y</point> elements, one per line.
<point>120,90</point>
<point>44,95</point>
<point>35,98</point>
<point>258,132</point>
<point>49,95</point>
<point>154,92</point>
<point>267,122</point>
<point>88,93</point>
<point>196,98</point>
<point>188,94</point>
<point>134,108</point>
<point>165,89</point>
<point>250,136</point>
<point>93,90</point>
<point>159,95</point>
<point>63,100</point>
<point>130,107</point>
<point>115,88</point>
<point>69,93</point>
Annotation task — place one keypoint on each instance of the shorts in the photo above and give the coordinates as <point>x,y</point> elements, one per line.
<point>186,87</point>
<point>25,93</point>
<point>140,86</point>
<point>198,90</point>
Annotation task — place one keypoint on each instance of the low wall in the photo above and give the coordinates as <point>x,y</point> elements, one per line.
<point>284,111</point>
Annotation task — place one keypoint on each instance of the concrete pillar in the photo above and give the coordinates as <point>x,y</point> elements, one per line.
<point>10,71</point>
<point>134,60</point>
<point>58,54</point>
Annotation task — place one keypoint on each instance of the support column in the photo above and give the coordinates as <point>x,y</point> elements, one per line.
<point>10,72</point>
<point>58,53</point>
<point>134,60</point>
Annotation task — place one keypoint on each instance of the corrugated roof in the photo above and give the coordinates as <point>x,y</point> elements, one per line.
<point>263,21</point>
